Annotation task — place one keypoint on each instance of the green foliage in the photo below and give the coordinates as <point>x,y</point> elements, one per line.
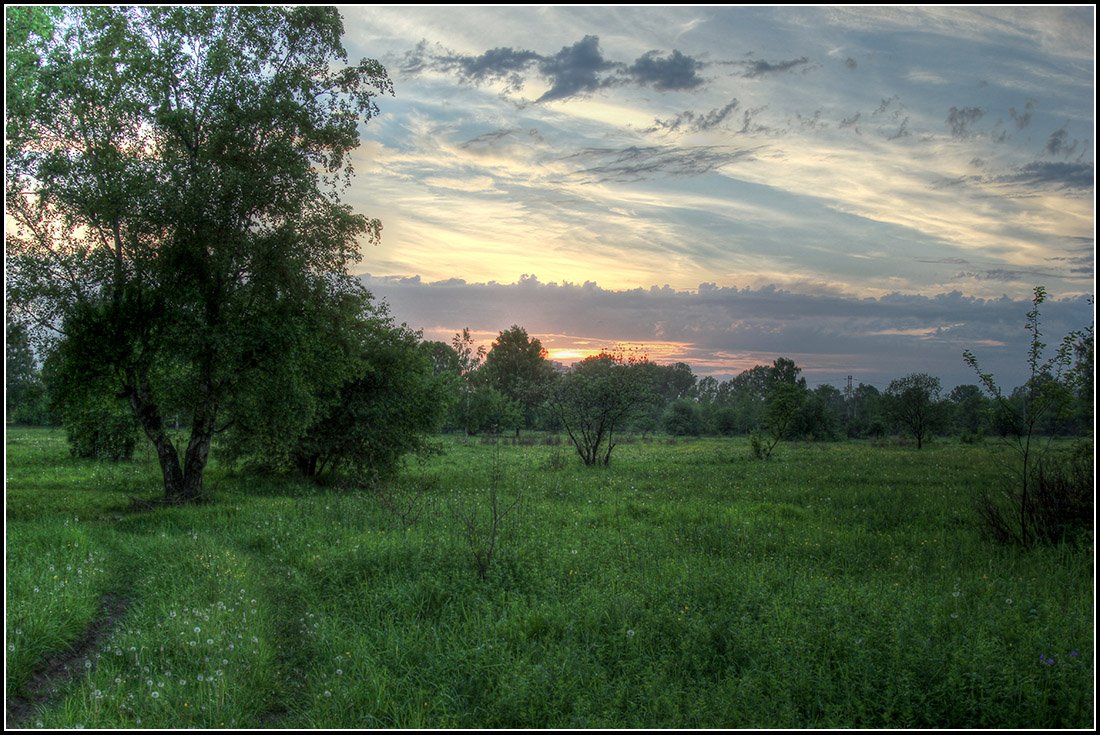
<point>725,420</point>
<point>469,360</point>
<point>101,428</point>
<point>379,401</point>
<point>24,391</point>
<point>785,397</point>
<point>1046,499</point>
<point>173,178</point>
<point>599,395</point>
<point>683,417</point>
<point>516,366</point>
<point>913,402</point>
<point>819,417</point>
<point>784,404</point>
<point>842,588</point>
<point>387,410</point>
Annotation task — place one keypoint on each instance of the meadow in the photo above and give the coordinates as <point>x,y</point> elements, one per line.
<point>687,585</point>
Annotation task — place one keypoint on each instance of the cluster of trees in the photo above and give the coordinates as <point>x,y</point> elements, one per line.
<point>514,386</point>
<point>388,392</point>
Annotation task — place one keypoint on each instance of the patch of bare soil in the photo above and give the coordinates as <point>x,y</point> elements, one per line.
<point>60,667</point>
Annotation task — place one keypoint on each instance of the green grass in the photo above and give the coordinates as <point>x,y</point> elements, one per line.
<point>685,586</point>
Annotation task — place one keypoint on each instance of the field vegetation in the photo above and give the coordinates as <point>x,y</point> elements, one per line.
<point>504,585</point>
<point>250,498</point>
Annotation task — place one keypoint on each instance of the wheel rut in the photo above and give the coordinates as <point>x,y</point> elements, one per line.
<point>61,666</point>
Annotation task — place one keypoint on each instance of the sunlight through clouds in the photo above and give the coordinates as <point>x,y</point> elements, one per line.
<point>824,152</point>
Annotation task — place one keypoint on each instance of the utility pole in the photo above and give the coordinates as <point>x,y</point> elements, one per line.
<point>848,405</point>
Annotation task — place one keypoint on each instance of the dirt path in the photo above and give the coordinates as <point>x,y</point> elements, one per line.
<point>59,667</point>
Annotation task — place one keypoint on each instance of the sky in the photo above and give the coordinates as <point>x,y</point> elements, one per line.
<point>868,191</point>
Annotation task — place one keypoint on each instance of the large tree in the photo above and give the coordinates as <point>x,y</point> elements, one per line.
<point>175,175</point>
<point>516,366</point>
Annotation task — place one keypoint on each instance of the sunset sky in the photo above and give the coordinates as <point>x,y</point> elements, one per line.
<point>868,191</point>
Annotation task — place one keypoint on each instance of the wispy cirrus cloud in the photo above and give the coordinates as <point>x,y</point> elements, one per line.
<point>761,68</point>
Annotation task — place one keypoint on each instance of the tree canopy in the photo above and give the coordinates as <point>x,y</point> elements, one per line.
<point>597,397</point>
<point>516,366</point>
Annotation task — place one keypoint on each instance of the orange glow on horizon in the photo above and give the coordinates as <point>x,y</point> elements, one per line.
<point>568,355</point>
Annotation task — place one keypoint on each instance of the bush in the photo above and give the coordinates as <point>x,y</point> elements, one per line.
<point>102,429</point>
<point>683,418</point>
<point>1049,499</point>
<point>725,421</point>
<point>1058,508</point>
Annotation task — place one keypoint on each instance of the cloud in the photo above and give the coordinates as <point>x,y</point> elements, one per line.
<point>675,72</point>
<point>961,119</point>
<point>1031,178</point>
<point>574,70</point>
<point>1058,145</point>
<point>494,65</point>
<point>755,69</point>
<point>723,330</point>
<point>1022,119</point>
<point>639,163</point>
<point>693,122</point>
<point>1080,176</point>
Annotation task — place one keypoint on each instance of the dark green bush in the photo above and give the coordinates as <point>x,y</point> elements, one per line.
<point>101,429</point>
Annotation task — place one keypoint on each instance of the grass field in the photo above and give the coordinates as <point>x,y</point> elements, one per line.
<point>687,585</point>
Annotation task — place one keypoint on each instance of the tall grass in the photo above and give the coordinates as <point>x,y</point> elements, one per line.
<point>686,585</point>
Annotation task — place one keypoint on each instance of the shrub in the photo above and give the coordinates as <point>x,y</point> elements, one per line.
<point>1058,508</point>
<point>1045,498</point>
<point>101,429</point>
<point>683,418</point>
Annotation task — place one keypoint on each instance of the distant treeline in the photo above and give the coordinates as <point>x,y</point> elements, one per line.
<point>509,387</point>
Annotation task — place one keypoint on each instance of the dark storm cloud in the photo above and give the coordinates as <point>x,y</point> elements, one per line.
<point>497,62</point>
<point>574,70</point>
<point>674,72</point>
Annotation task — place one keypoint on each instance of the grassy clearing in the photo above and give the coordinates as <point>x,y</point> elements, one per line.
<point>684,586</point>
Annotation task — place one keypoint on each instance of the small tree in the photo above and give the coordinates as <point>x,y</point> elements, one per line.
<point>784,404</point>
<point>968,411</point>
<point>914,403</point>
<point>683,417</point>
<point>1039,491</point>
<point>469,360</point>
<point>24,391</point>
<point>388,409</point>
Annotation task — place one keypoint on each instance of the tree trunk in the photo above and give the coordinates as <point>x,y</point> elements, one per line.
<point>181,484</point>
